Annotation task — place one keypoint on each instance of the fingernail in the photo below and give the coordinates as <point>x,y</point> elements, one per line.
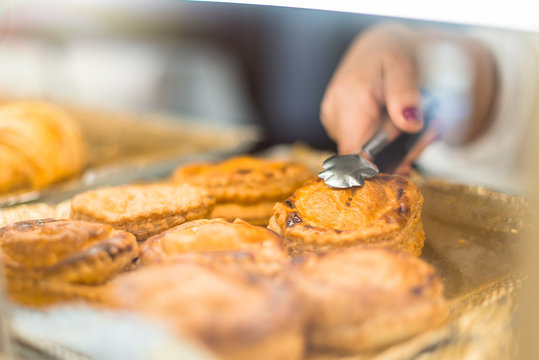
<point>412,114</point>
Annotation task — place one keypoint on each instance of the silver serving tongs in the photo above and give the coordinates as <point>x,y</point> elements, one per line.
<point>344,171</point>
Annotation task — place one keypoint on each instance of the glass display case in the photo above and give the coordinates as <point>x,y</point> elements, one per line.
<point>155,85</point>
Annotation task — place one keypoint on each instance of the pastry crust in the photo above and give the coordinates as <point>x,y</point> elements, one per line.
<point>143,210</point>
<point>385,212</point>
<point>245,179</point>
<point>257,214</point>
<point>39,144</point>
<point>245,187</point>
<point>50,260</point>
<point>237,317</point>
<point>365,298</point>
<point>218,243</point>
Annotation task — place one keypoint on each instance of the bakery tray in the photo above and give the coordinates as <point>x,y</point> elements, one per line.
<point>124,147</point>
<point>472,239</point>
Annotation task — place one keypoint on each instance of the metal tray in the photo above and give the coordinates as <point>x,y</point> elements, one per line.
<point>473,240</point>
<point>123,147</point>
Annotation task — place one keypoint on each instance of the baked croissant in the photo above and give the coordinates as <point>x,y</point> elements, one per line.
<point>39,144</point>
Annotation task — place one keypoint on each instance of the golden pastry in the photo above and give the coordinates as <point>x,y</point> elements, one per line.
<point>143,210</point>
<point>39,144</point>
<point>218,243</point>
<point>257,213</point>
<point>385,212</point>
<point>365,298</point>
<point>245,187</point>
<point>52,260</point>
<point>237,317</point>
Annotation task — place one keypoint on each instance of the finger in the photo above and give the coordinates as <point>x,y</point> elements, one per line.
<point>358,121</point>
<point>401,92</point>
<point>404,169</point>
<point>391,130</point>
<point>429,136</point>
<point>328,117</point>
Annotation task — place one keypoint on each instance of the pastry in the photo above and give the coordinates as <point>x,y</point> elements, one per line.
<point>55,260</point>
<point>39,144</point>
<point>245,187</point>
<point>143,210</point>
<point>220,244</point>
<point>237,317</point>
<point>257,213</point>
<point>385,212</point>
<point>364,298</point>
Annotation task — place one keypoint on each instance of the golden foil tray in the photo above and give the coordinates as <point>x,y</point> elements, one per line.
<point>473,240</point>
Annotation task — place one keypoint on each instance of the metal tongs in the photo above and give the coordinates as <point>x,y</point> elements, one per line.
<point>345,171</point>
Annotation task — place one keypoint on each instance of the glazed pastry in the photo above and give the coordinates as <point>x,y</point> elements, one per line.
<point>385,212</point>
<point>237,317</point>
<point>220,244</point>
<point>245,187</point>
<point>365,298</point>
<point>143,210</point>
<point>39,144</point>
<point>48,260</point>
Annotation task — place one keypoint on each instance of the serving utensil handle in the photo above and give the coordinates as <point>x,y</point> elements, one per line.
<point>388,147</point>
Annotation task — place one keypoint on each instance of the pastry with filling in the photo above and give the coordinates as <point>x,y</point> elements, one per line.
<point>245,187</point>
<point>143,210</point>
<point>238,317</point>
<point>48,261</point>
<point>361,299</point>
<point>40,144</point>
<point>385,212</point>
<point>218,243</point>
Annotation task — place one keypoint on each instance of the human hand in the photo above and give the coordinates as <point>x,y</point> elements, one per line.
<point>377,78</point>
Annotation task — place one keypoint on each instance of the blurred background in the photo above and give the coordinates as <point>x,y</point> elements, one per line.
<point>213,63</point>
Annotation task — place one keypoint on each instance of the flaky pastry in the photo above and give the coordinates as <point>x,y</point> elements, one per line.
<point>364,298</point>
<point>40,144</point>
<point>143,210</point>
<point>385,212</point>
<point>237,317</point>
<point>220,244</point>
<point>245,187</point>
<point>51,260</point>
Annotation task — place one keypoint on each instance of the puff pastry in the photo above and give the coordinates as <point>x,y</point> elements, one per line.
<point>143,210</point>
<point>218,243</point>
<point>49,260</point>
<point>385,212</point>
<point>245,187</point>
<point>364,298</point>
<point>39,144</point>
<point>237,317</point>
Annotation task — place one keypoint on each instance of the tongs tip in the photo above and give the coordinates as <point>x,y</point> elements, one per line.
<point>345,171</point>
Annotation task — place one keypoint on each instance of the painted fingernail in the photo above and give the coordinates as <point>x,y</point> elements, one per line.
<point>412,114</point>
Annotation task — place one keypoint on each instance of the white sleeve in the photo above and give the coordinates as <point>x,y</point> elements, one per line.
<point>495,158</point>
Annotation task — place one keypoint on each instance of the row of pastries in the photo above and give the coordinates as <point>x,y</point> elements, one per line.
<point>253,258</point>
<point>40,144</point>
